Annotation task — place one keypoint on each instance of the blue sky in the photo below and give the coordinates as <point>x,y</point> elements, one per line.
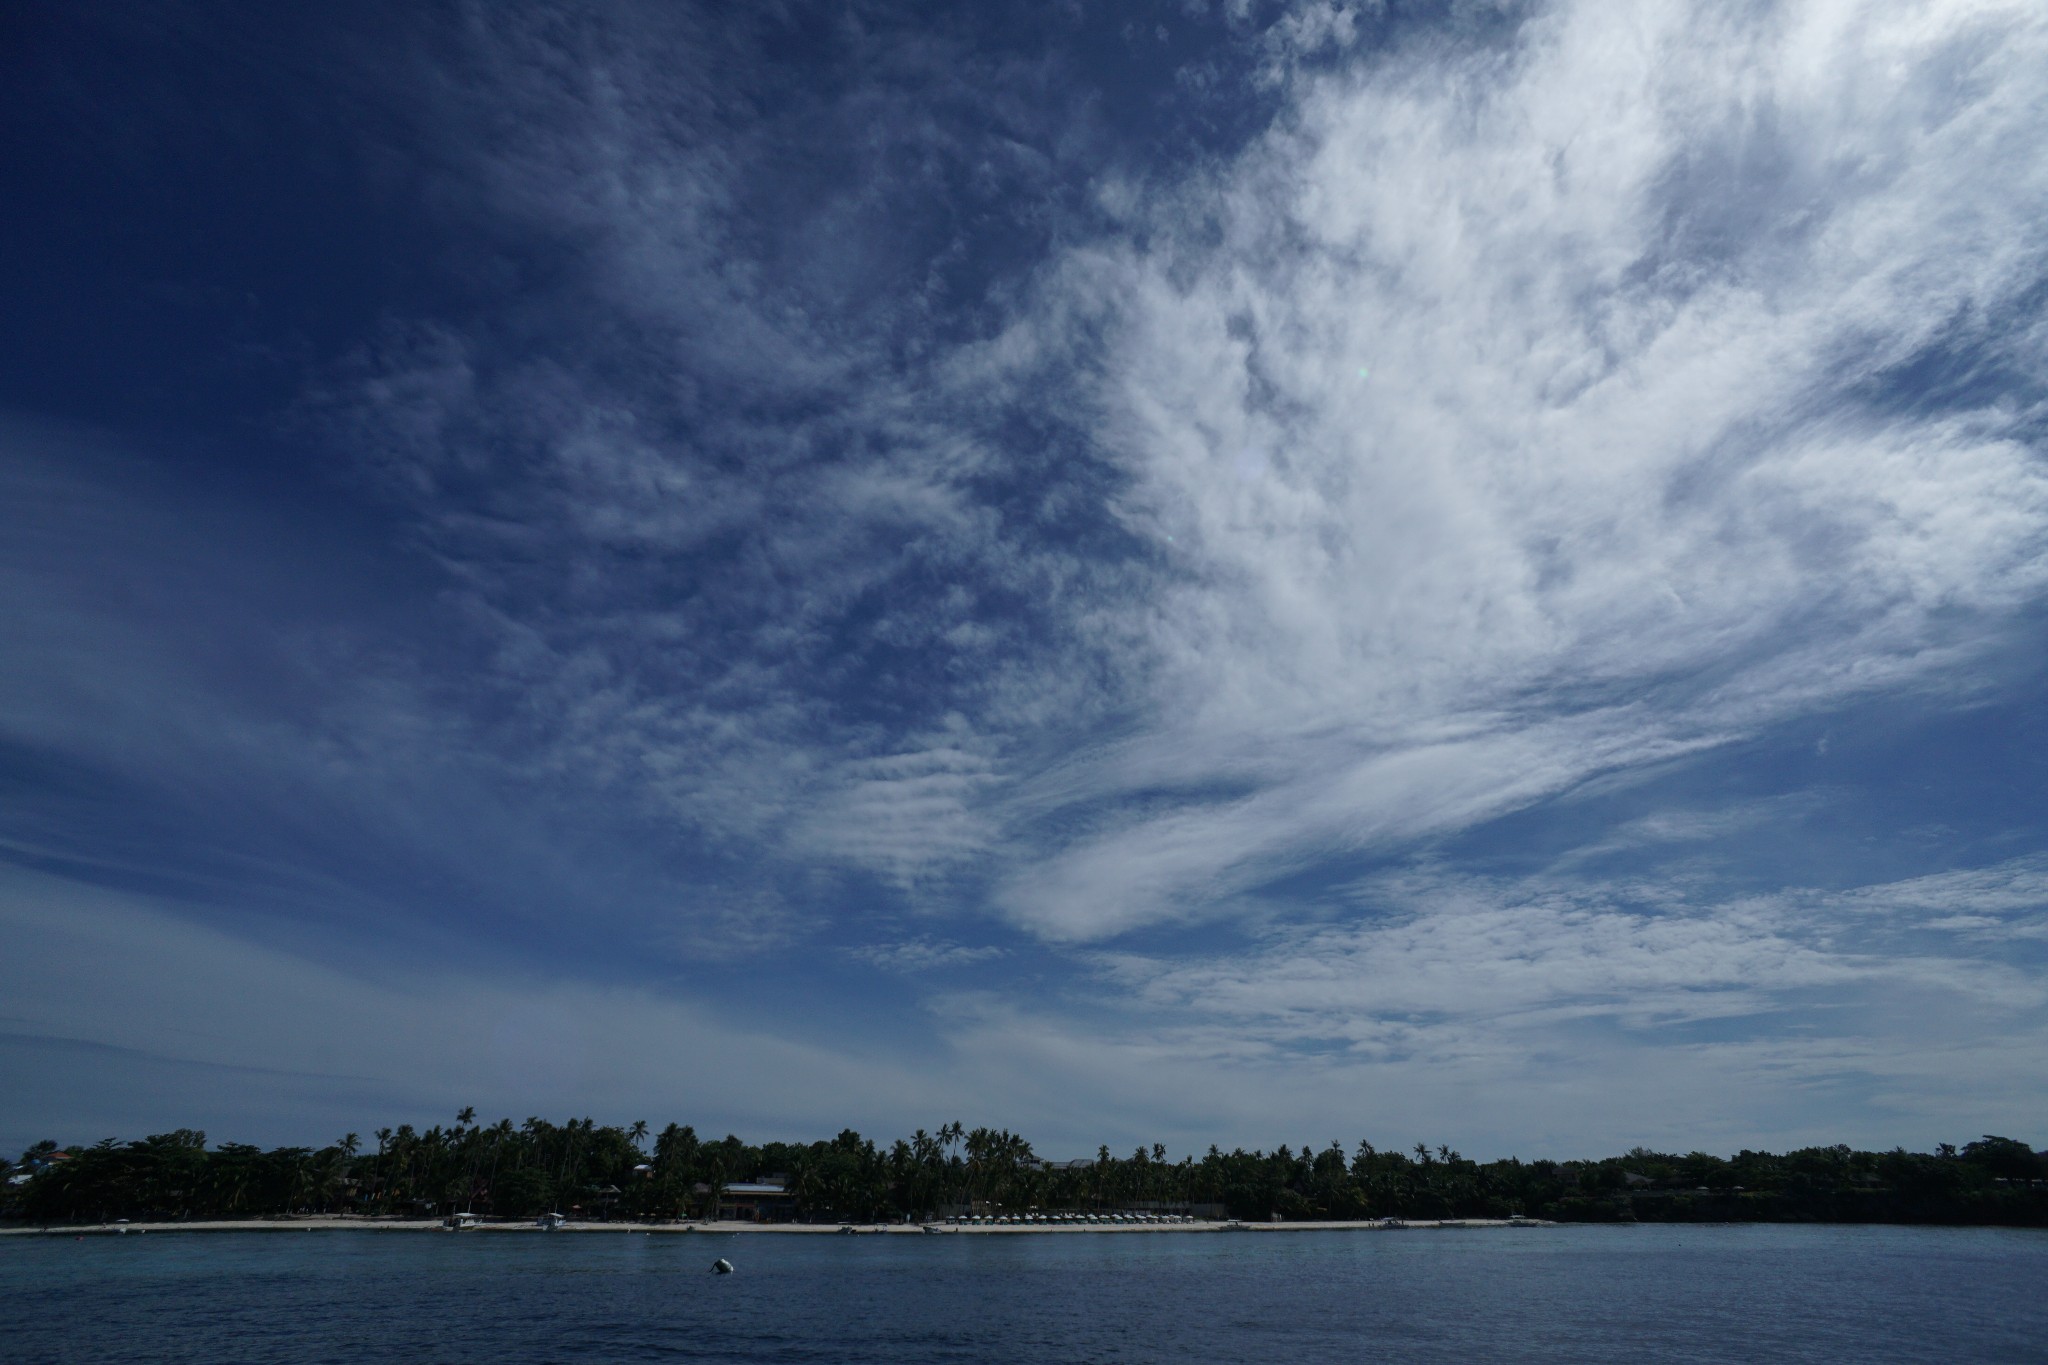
<point>1174,572</point>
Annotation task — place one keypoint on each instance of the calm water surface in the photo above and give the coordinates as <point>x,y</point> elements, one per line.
<point>1555,1294</point>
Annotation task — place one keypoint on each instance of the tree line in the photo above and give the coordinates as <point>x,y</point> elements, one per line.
<point>628,1172</point>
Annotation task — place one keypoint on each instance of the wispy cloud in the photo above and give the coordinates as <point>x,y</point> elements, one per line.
<point>1509,1001</point>
<point>827,604</point>
<point>1526,407</point>
<point>882,491</point>
<point>923,955</point>
<point>907,814</point>
<point>1526,403</point>
<point>1434,949</point>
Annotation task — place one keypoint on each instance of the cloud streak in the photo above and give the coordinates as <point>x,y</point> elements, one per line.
<point>1289,581</point>
<point>1578,368</point>
<point>1569,365</point>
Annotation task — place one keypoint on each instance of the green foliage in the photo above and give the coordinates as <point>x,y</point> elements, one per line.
<point>598,1171</point>
<point>2005,1158</point>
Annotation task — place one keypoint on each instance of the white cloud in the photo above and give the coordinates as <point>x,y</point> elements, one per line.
<point>1533,401</point>
<point>924,955</point>
<point>1566,363</point>
<point>908,814</point>
<point>1553,1006</point>
<point>1310,30</point>
<point>2019,886</point>
<point>1512,411</point>
<point>720,536</point>
<point>1433,950</point>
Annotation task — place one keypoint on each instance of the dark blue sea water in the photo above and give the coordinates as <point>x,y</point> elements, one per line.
<point>1639,1295</point>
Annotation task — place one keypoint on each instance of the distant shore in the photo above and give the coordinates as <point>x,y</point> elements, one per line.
<point>589,1172</point>
<point>721,1229</point>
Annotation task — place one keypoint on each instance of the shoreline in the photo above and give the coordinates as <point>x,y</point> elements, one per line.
<point>730,1229</point>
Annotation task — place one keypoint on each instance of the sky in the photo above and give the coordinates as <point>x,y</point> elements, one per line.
<point>1267,571</point>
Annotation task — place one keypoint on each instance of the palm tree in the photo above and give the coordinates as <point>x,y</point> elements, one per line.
<point>948,1137</point>
<point>432,1180</point>
<point>383,1136</point>
<point>348,1147</point>
<point>675,1157</point>
<point>501,1134</point>
<point>926,1167</point>
<point>979,1143</point>
<point>406,1142</point>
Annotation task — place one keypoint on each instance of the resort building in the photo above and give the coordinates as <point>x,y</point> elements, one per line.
<point>760,1201</point>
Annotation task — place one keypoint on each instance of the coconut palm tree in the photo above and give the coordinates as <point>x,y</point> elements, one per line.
<point>377,1184</point>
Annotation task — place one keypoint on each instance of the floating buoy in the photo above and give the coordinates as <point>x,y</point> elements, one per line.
<point>721,1266</point>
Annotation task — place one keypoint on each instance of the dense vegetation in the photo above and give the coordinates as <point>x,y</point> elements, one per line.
<point>613,1172</point>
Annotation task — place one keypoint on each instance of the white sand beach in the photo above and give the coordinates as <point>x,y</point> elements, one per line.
<point>342,1224</point>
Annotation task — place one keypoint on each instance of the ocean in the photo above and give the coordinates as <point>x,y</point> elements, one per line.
<point>1640,1295</point>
